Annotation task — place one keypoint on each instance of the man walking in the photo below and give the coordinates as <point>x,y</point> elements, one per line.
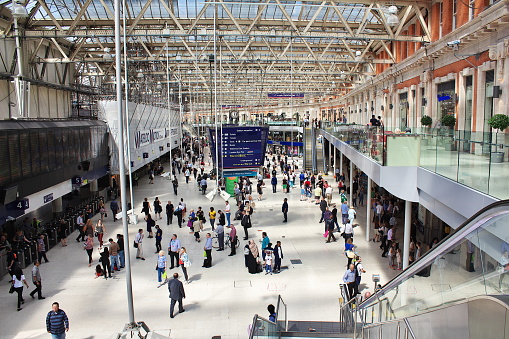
<point>177,293</point>
<point>344,212</point>
<point>57,322</point>
<point>169,213</point>
<point>114,249</point>
<point>349,279</point>
<point>138,243</point>
<point>80,223</point>
<point>114,209</point>
<point>173,250</point>
<point>323,208</point>
<point>207,263</point>
<point>284,209</point>
<point>36,279</point>
<point>159,237</point>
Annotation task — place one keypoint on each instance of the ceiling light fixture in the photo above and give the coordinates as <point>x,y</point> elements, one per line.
<point>391,16</point>
<point>18,10</point>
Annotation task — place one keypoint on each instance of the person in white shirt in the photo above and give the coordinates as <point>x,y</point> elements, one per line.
<point>379,210</point>
<point>18,278</point>
<point>328,195</point>
<point>227,212</point>
<point>348,232</point>
<point>351,214</point>
<point>359,269</point>
<point>138,240</point>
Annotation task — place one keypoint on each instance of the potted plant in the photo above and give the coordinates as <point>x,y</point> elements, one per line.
<point>426,121</point>
<point>499,122</point>
<point>449,120</point>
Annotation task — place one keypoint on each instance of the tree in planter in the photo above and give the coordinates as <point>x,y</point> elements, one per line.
<point>499,122</point>
<point>448,120</point>
<point>426,121</point>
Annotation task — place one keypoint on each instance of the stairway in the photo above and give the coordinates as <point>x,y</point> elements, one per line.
<point>314,329</point>
<point>319,156</point>
<point>308,162</point>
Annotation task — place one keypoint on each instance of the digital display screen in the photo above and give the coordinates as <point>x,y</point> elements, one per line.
<point>241,147</point>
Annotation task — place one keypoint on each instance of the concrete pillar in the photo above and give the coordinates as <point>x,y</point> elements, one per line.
<point>406,233</point>
<point>334,158</point>
<point>56,206</point>
<point>351,183</point>
<point>367,199</point>
<point>94,187</point>
<point>340,162</point>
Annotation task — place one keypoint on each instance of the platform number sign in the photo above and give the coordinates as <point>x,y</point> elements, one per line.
<point>21,204</point>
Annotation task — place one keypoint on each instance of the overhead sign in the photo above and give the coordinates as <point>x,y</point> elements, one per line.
<point>241,147</point>
<point>48,198</point>
<point>147,137</point>
<point>286,95</point>
<point>231,106</point>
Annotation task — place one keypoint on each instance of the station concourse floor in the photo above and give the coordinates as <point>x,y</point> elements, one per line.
<point>220,301</point>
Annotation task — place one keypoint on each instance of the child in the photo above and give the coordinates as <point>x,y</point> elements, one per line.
<point>398,259</point>
<point>392,255</point>
<point>268,262</point>
<point>98,271</point>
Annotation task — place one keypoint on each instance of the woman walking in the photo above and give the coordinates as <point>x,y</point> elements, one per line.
<point>89,247</point>
<point>88,229</point>
<point>184,263</point>
<point>100,229</point>
<point>18,279</point>
<point>259,189</point>
<point>146,207</point>
<point>150,223</point>
<point>161,267</point>
<point>157,208</point>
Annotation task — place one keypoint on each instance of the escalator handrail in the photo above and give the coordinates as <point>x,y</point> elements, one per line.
<point>450,241</point>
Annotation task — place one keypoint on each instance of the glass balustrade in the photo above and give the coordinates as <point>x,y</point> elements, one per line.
<point>471,262</point>
<point>462,156</point>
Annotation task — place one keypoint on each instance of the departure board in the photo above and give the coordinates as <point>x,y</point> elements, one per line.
<point>241,147</point>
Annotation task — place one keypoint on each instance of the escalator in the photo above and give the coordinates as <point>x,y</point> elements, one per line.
<point>308,160</point>
<point>456,290</point>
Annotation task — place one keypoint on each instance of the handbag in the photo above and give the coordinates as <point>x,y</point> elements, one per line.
<point>187,263</point>
<point>350,254</point>
<point>11,290</point>
<point>135,244</point>
<point>204,254</point>
<point>164,276</point>
<point>326,234</point>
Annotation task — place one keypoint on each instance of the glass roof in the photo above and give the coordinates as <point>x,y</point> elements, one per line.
<point>189,9</point>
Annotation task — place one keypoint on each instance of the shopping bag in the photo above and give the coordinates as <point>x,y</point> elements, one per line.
<point>164,276</point>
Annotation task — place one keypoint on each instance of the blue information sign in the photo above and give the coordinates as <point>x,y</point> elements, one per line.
<point>241,147</point>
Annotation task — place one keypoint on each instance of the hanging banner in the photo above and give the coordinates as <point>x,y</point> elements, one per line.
<point>285,95</point>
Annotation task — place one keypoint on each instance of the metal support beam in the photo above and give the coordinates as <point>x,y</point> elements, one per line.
<point>406,233</point>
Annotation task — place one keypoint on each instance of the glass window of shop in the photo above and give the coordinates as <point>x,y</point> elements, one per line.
<point>446,98</point>
<point>488,109</point>
<point>403,110</point>
<point>469,89</point>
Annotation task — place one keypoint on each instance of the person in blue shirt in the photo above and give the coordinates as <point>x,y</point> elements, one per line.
<point>265,243</point>
<point>302,177</point>
<point>349,279</point>
<point>344,212</point>
<point>273,182</point>
<point>272,313</point>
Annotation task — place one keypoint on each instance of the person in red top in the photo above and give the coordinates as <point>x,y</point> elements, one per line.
<point>233,240</point>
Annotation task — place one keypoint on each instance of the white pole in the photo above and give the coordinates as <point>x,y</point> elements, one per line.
<point>128,134</point>
<point>18,79</point>
<point>121,162</point>
<point>367,198</point>
<point>169,107</point>
<point>215,100</point>
<point>406,233</point>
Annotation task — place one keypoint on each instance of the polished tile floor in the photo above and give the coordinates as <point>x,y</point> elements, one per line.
<point>222,300</point>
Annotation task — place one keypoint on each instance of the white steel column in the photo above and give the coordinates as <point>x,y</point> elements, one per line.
<point>367,199</point>
<point>351,183</point>
<point>406,233</point>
